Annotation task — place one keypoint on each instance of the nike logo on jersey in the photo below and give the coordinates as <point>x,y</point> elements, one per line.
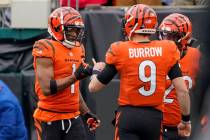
<point>145,52</point>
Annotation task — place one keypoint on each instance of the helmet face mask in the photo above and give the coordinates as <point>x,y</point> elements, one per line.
<point>170,35</point>
<point>73,34</point>
<point>66,26</point>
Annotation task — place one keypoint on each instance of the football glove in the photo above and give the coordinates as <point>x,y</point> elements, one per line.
<point>92,121</point>
<point>83,71</point>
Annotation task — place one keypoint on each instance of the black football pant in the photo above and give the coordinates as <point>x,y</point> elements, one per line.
<point>171,133</point>
<point>72,129</point>
<point>138,123</point>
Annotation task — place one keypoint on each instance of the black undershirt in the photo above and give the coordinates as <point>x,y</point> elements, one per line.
<point>175,72</point>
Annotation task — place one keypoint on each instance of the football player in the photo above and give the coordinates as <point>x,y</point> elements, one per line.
<point>142,65</point>
<point>59,65</point>
<point>178,28</point>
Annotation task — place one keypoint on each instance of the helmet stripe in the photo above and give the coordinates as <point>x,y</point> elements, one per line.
<point>181,17</point>
<point>137,15</point>
<point>174,23</point>
<point>75,17</point>
<point>131,10</point>
<point>178,22</point>
<point>144,11</point>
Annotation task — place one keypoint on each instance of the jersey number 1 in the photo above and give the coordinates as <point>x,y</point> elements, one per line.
<point>72,85</point>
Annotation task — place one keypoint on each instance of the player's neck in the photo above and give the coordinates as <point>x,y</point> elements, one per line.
<point>140,38</point>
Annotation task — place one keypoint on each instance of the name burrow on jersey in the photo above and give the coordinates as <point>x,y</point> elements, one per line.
<point>145,52</point>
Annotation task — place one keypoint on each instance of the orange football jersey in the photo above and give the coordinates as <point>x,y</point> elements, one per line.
<point>142,68</point>
<point>189,65</point>
<point>64,104</point>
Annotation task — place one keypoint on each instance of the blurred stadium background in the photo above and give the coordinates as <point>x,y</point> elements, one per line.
<point>22,22</point>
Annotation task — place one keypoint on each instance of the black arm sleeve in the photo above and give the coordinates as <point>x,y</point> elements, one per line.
<point>175,72</point>
<point>107,74</point>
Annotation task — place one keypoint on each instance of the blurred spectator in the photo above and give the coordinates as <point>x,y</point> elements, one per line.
<point>82,3</point>
<point>133,2</point>
<point>201,96</point>
<point>201,2</point>
<point>183,2</point>
<point>12,125</point>
<point>188,2</point>
<point>166,2</point>
<point>5,15</point>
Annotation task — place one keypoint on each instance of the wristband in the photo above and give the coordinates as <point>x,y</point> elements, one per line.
<point>185,118</point>
<point>53,87</point>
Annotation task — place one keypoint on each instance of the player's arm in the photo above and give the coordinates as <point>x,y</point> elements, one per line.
<point>100,80</point>
<point>184,127</point>
<point>82,105</point>
<point>45,73</point>
<point>182,95</point>
<point>175,75</point>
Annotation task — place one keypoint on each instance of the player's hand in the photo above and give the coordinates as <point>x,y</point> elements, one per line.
<point>83,71</point>
<point>98,66</point>
<point>92,121</point>
<point>184,129</point>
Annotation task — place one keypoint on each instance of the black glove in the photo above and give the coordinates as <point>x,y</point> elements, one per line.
<point>92,121</point>
<point>83,71</point>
